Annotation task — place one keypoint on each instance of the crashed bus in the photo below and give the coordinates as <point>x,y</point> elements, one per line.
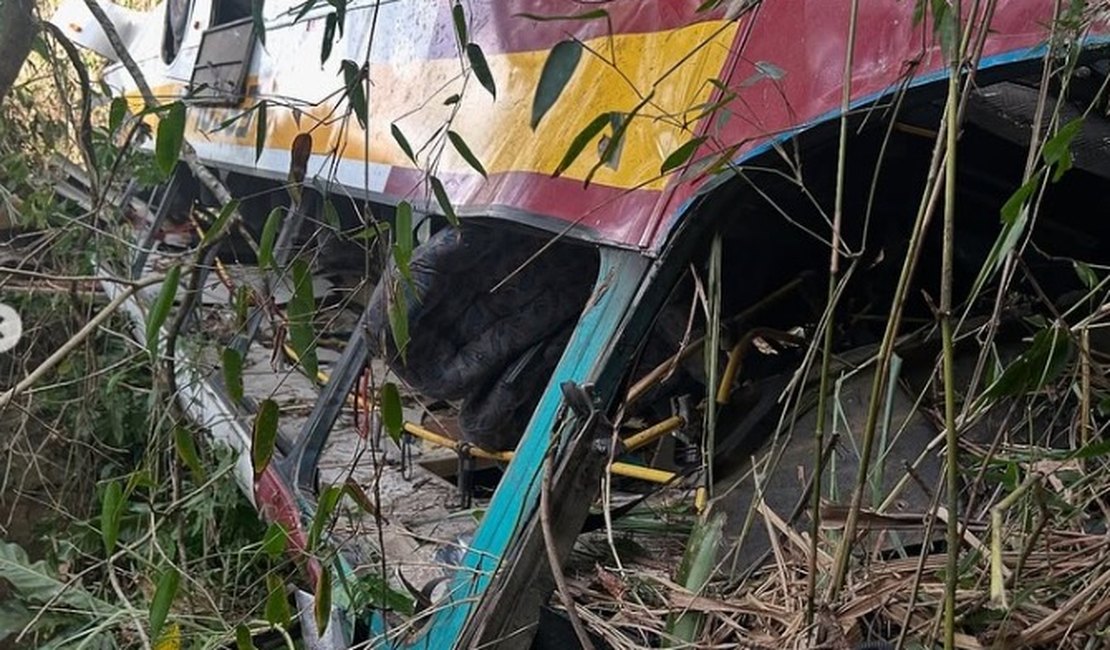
<point>616,224</point>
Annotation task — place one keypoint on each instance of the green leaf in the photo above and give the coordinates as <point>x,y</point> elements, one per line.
<point>269,237</point>
<point>243,638</point>
<point>220,224</point>
<point>305,8</point>
<point>35,582</point>
<point>277,604</point>
<point>399,321</point>
<point>586,15</point>
<point>257,20</point>
<point>402,249</point>
<point>1057,150</point>
<point>340,13</point>
<point>160,310</point>
<point>13,618</point>
<point>620,123</point>
<point>325,507</point>
<point>302,314</point>
<point>459,16</point>
<point>444,201</point>
<point>331,216</point>
<point>264,436</point>
<point>373,591</point>
<point>1014,218</point>
<point>260,130</point>
<point>242,304</point>
<point>453,99</point>
<point>557,72</point>
<point>402,141</point>
<point>117,112</point>
<point>578,144</point>
<point>275,540</point>
<point>392,414</point>
<point>111,511</point>
<point>1011,210</point>
<point>171,135</point>
<point>945,27</point>
<point>679,156</point>
<point>356,93</point>
<point>1043,362</point>
<point>186,448</point>
<point>466,153</point>
<point>232,367</point>
<point>481,68</point>
<point>404,227</point>
<point>1086,274</point>
<point>694,572</point>
<point>330,24</point>
<point>321,606</point>
<point>160,604</point>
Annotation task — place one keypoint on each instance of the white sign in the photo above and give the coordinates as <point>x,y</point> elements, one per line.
<point>11,328</point>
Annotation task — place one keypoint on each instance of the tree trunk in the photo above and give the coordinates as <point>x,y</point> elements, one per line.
<point>17,32</point>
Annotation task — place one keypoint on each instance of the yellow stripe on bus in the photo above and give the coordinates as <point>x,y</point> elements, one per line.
<point>674,67</point>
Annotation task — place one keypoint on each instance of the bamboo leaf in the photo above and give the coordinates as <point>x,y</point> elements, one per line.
<point>403,246</point>
<point>356,93</point>
<point>258,21</point>
<point>1057,150</point>
<point>403,142</point>
<point>594,14</point>
<point>621,123</point>
<point>243,638</point>
<point>481,68</point>
<point>264,436</point>
<point>260,129</point>
<point>330,24</point>
<point>399,321</point>
<point>578,144</point>
<point>170,137</point>
<point>269,237</point>
<point>117,113</point>
<point>331,216</point>
<point>321,607</point>
<point>275,540</point>
<point>186,448</point>
<point>160,310</point>
<point>1086,274</point>
<point>392,414</point>
<point>557,72</point>
<point>302,313</point>
<point>111,511</point>
<point>375,591</point>
<point>1045,359</point>
<point>680,156</point>
<point>220,224</point>
<point>444,201</point>
<point>464,151</point>
<point>325,507</point>
<point>231,363</point>
<point>160,604</point>
<point>277,604</point>
<point>459,15</point>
